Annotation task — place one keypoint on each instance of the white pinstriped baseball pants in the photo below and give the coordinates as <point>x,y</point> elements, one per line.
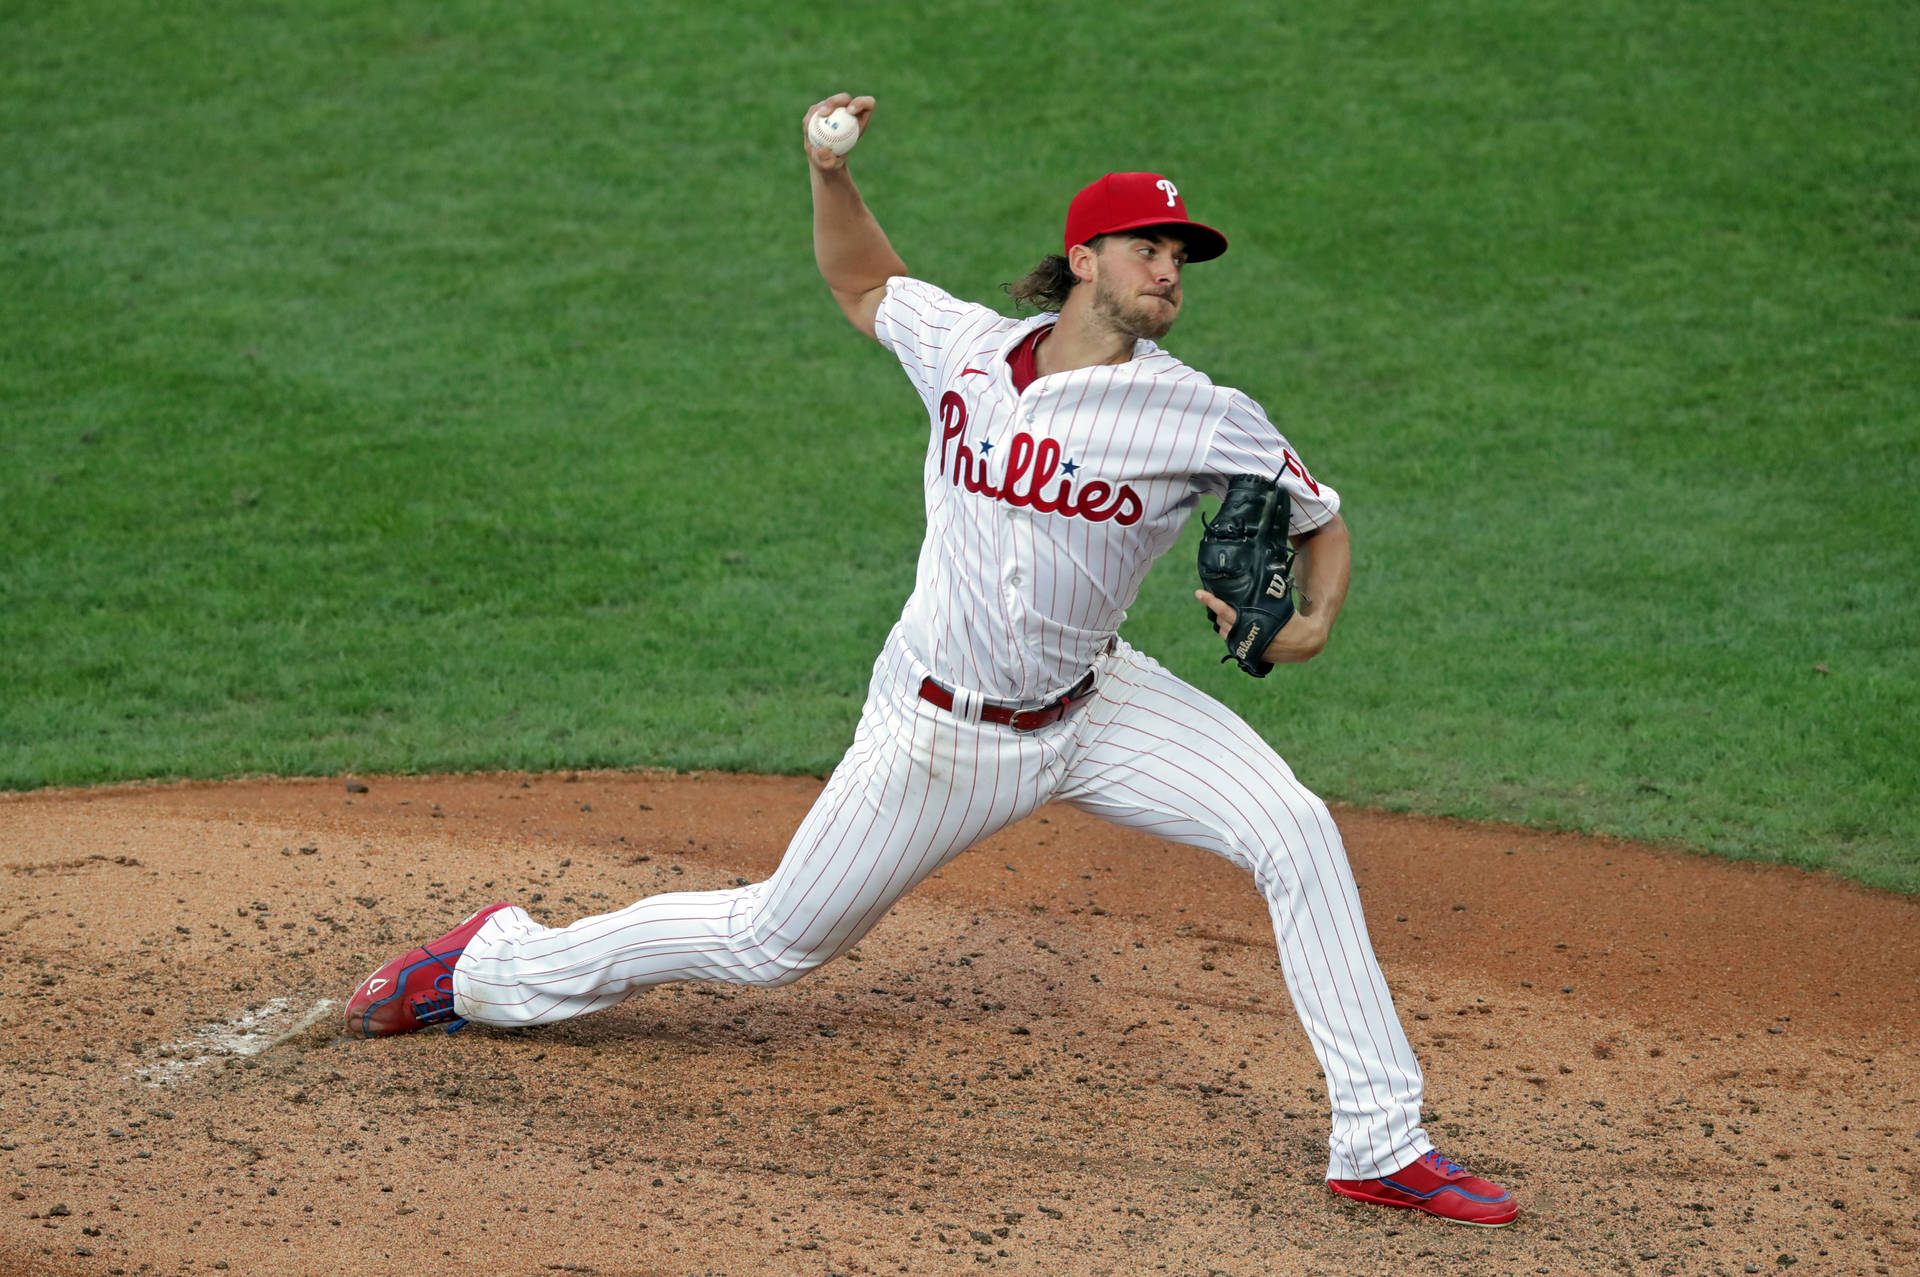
<point>921,785</point>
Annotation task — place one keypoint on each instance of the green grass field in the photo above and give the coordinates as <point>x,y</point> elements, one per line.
<point>420,387</point>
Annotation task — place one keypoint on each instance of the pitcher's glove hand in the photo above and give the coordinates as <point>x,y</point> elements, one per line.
<point>1246,561</point>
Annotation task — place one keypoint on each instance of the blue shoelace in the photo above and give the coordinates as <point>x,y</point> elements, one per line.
<point>437,1007</point>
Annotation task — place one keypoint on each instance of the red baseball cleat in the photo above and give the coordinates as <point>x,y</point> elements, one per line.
<point>416,988</point>
<point>1439,1187</point>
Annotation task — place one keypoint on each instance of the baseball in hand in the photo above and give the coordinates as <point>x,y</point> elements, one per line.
<point>837,130</point>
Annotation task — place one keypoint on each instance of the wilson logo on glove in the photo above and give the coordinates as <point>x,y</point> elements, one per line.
<point>1246,561</point>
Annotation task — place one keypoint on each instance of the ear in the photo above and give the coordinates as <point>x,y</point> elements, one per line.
<point>1080,259</point>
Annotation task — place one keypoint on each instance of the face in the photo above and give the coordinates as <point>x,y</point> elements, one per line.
<point>1136,283</point>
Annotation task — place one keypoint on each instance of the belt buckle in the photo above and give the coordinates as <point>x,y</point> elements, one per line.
<point>1032,720</point>
<point>1047,715</point>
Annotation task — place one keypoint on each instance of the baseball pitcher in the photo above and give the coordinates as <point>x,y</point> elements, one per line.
<point>1064,453</point>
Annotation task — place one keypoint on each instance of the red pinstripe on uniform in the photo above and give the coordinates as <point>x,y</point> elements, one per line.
<point>1014,604</point>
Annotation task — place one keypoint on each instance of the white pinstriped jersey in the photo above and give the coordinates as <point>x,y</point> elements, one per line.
<point>1044,511</point>
<point>1046,508</point>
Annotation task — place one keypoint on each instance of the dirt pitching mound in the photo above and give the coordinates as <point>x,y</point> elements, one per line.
<point>1070,1052</point>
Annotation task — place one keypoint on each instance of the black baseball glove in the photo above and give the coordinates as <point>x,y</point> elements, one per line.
<point>1246,561</point>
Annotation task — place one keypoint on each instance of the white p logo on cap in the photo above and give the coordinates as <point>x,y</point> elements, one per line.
<point>1134,201</point>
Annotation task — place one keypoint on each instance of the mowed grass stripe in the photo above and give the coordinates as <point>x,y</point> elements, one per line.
<point>423,387</point>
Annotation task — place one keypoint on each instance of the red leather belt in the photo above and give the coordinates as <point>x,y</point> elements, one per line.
<point>1020,720</point>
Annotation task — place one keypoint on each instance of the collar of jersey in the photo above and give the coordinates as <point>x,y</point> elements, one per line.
<point>1003,375</point>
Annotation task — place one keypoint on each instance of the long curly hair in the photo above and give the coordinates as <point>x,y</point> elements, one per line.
<point>1046,286</point>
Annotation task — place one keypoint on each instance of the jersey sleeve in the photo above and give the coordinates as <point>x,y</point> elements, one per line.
<point>921,323</point>
<point>1245,442</point>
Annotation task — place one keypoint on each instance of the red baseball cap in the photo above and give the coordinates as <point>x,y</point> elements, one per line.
<point>1134,201</point>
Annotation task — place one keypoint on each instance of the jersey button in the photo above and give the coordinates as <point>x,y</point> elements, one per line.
<point>1014,579</point>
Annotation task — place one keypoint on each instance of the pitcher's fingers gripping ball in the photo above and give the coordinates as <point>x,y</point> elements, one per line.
<point>832,127</point>
<point>836,130</point>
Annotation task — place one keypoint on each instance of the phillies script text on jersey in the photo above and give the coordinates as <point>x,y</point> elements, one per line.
<point>1033,465</point>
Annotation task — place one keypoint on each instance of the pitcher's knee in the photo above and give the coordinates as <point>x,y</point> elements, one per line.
<point>777,940</point>
<point>770,961</point>
<point>771,971</point>
<point>1298,848</point>
<point>1307,808</point>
